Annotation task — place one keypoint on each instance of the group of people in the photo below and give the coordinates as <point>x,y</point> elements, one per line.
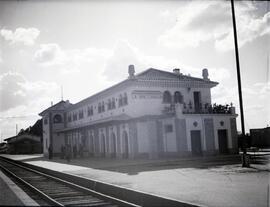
<point>67,153</point>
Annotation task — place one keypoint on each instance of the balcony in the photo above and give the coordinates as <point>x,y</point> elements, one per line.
<point>200,109</point>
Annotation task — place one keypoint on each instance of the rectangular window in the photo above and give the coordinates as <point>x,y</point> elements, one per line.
<point>90,111</point>
<point>45,121</point>
<point>74,116</point>
<point>99,108</point>
<point>113,104</point>
<point>168,128</point>
<point>69,118</point>
<point>81,114</point>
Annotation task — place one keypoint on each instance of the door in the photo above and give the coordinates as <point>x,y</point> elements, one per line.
<point>196,146</point>
<point>197,101</point>
<point>125,145</point>
<point>91,145</point>
<point>223,141</point>
<point>113,145</point>
<point>102,146</point>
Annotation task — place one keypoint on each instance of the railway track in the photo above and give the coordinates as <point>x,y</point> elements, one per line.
<point>56,191</point>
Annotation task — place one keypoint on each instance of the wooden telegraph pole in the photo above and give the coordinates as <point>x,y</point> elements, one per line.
<point>245,161</point>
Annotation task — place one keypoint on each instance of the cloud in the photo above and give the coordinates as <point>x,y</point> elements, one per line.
<point>69,60</point>
<point>124,54</point>
<point>1,59</point>
<point>21,35</point>
<point>165,13</point>
<point>49,54</point>
<point>255,102</point>
<point>112,64</point>
<point>200,22</point>
<point>16,91</point>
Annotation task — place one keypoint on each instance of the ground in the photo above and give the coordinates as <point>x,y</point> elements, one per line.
<point>207,181</point>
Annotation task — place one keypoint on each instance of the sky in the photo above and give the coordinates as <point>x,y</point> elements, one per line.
<point>86,46</point>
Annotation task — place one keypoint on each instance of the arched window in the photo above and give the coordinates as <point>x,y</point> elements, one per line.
<point>113,144</point>
<point>74,116</point>
<point>167,98</point>
<point>125,148</point>
<point>99,108</point>
<point>102,107</point>
<point>113,103</point>
<point>120,102</point>
<point>102,145</point>
<point>109,104</point>
<point>178,98</point>
<point>125,99</point>
<point>57,119</point>
<point>90,110</point>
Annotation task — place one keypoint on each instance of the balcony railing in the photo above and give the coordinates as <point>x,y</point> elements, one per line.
<point>201,109</point>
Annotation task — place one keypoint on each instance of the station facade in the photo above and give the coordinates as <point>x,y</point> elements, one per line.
<point>151,114</point>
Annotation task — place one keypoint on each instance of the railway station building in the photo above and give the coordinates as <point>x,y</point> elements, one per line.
<point>151,114</point>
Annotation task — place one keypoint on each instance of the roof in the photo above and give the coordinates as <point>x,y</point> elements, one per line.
<point>61,105</point>
<point>21,137</point>
<point>149,74</point>
<point>155,74</point>
<point>121,117</point>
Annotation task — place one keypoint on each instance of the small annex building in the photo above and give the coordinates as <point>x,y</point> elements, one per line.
<point>24,144</point>
<point>151,114</point>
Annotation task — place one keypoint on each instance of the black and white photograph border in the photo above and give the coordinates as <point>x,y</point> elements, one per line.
<point>134,103</point>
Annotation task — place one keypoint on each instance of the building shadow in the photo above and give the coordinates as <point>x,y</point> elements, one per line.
<point>136,166</point>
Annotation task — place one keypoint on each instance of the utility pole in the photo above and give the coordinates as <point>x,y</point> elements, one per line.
<point>245,162</point>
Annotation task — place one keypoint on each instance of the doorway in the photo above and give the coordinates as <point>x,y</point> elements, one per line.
<point>102,146</point>
<point>125,145</point>
<point>196,145</point>
<point>113,145</point>
<point>223,141</point>
<point>197,100</point>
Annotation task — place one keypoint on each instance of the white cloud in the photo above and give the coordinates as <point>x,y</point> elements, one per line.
<point>255,101</point>
<point>124,54</point>
<point>69,60</point>
<point>1,59</point>
<point>21,35</point>
<point>16,91</point>
<point>49,54</point>
<point>199,22</point>
<point>165,13</point>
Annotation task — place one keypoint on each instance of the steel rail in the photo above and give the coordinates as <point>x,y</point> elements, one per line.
<point>75,186</point>
<point>40,193</point>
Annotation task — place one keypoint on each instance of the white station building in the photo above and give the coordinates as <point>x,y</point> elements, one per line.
<point>151,114</point>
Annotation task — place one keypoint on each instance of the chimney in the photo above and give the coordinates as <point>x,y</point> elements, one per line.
<point>131,71</point>
<point>51,103</point>
<point>205,74</point>
<point>176,71</point>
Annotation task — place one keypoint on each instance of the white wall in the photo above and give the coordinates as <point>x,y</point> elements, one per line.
<point>46,134</point>
<point>143,141</point>
<point>169,138</point>
<point>190,120</point>
<point>227,126</point>
<point>217,118</point>
<point>138,105</point>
